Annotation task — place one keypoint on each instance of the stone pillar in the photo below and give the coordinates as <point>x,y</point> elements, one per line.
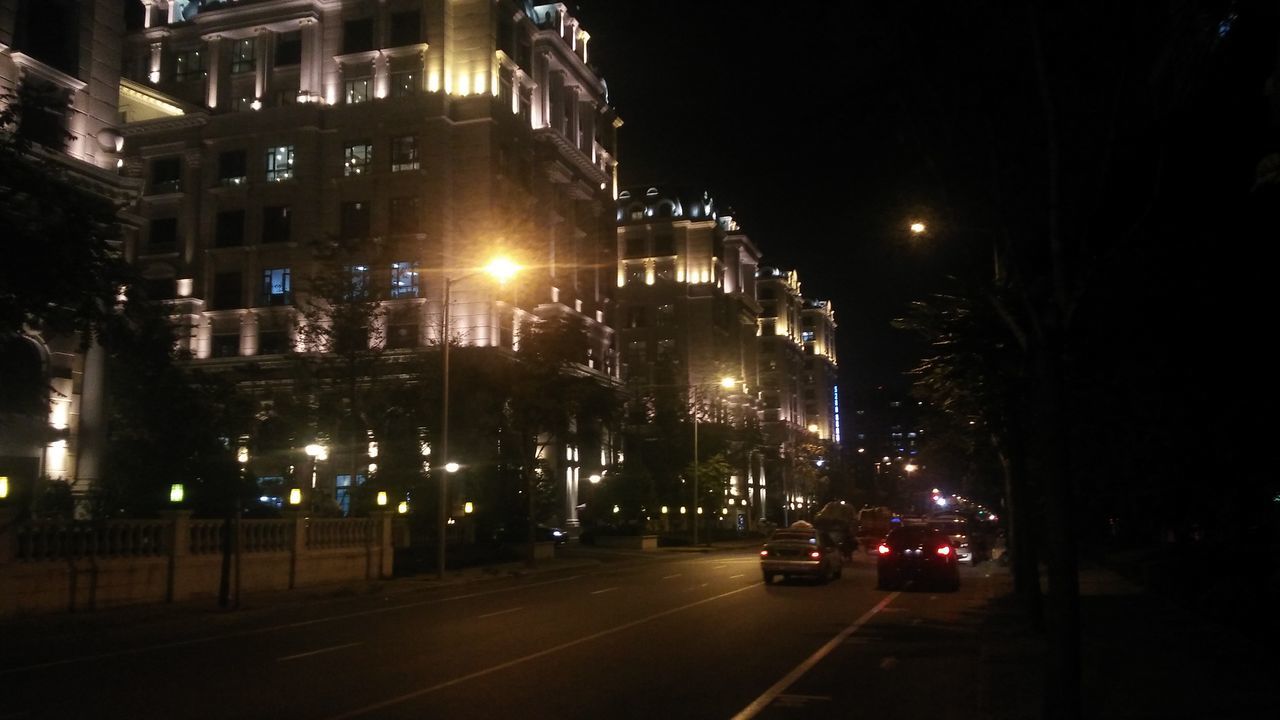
<point>214,69</point>
<point>299,545</point>
<point>8,534</point>
<point>309,76</point>
<point>262,66</point>
<point>386,548</point>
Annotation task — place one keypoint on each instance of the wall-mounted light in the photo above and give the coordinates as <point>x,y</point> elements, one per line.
<point>4,486</point>
<point>468,507</point>
<point>382,497</point>
<point>176,493</point>
<point>295,496</point>
<point>403,507</point>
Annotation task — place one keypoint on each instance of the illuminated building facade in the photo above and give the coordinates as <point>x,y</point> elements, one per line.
<point>67,50</point>
<point>433,133</point>
<point>687,315</point>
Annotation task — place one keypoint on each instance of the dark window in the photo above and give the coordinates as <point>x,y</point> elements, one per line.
<point>635,247</point>
<point>288,48</point>
<point>404,335</point>
<point>166,175</point>
<point>243,55</point>
<point>664,245</point>
<point>405,83</point>
<point>405,213</point>
<point>358,282</point>
<point>404,153</point>
<point>226,345</point>
<point>406,28</point>
<point>160,288</point>
<point>666,315</point>
<point>275,224</point>
<point>357,35</point>
<point>233,167</point>
<point>163,235</point>
<point>355,220</point>
<point>188,65</point>
<point>273,342</point>
<point>635,317</point>
<point>227,289</point>
<point>230,229</point>
<point>49,31</point>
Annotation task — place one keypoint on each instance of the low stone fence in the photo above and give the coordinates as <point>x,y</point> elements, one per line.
<point>50,566</point>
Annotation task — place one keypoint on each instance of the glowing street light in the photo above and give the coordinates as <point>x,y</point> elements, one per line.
<point>918,228</point>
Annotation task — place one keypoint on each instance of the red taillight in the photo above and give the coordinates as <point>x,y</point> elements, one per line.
<point>883,549</point>
<point>944,551</point>
<point>764,553</point>
<point>815,554</point>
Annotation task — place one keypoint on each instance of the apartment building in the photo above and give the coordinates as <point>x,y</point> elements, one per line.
<point>429,136</point>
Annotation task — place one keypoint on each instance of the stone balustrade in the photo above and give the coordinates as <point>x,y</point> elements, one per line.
<point>58,565</point>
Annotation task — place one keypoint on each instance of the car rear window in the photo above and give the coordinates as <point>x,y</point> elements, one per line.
<point>794,537</point>
<point>910,534</point>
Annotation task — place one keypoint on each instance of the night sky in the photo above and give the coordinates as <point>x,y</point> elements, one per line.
<point>792,119</point>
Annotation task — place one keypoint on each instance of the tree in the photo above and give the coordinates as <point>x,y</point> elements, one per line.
<point>553,396</point>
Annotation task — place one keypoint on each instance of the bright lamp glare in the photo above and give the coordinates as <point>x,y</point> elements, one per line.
<point>502,269</point>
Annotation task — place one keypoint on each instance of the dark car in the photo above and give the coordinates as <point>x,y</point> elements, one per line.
<point>918,554</point>
<point>541,533</point>
<point>800,550</point>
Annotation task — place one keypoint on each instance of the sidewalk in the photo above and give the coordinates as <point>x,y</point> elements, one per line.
<point>1143,657</point>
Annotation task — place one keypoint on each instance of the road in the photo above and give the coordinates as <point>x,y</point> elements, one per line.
<point>666,635</point>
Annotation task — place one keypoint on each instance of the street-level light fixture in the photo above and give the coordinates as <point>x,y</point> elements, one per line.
<point>4,486</point>
<point>918,228</point>
<point>295,496</point>
<point>500,269</point>
<point>382,498</point>
<point>176,492</point>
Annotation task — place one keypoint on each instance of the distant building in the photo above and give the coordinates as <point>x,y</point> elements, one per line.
<point>431,134</point>
<point>687,314</point>
<point>69,50</point>
<point>798,375</point>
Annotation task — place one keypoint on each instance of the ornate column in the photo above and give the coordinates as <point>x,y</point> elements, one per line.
<point>214,69</point>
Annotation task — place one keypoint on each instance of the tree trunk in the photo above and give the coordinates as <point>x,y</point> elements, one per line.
<point>1063,684</point>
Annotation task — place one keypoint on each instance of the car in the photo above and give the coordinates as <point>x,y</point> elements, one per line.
<point>956,528</point>
<point>800,550</point>
<point>919,554</point>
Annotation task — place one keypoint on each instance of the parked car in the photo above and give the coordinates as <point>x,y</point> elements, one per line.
<point>919,554</point>
<point>798,550</point>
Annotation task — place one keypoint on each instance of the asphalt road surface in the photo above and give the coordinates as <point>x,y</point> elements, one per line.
<point>668,635</point>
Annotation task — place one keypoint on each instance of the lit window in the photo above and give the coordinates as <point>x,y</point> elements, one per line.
<point>356,159</point>
<point>359,285</point>
<point>277,288</point>
<point>279,163</point>
<point>404,280</point>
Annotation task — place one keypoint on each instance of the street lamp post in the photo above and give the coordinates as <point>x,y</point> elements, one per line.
<point>501,270</point>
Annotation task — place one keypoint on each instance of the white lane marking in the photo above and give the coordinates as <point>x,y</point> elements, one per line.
<point>719,567</point>
<point>779,687</point>
<point>500,612</point>
<point>704,585</point>
<point>273,628</point>
<point>597,592</point>
<point>668,577</point>
<point>534,656</point>
<point>317,652</point>
<point>737,576</point>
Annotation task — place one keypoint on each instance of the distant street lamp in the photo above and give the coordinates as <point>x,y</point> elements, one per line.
<point>502,270</point>
<point>918,228</point>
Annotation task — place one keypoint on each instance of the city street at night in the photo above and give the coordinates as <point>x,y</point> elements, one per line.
<point>601,634</point>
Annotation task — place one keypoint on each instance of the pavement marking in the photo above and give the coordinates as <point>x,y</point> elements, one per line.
<point>534,656</point>
<point>760,703</point>
<point>272,628</point>
<point>500,612</point>
<point>668,577</point>
<point>721,566</point>
<point>731,577</point>
<point>800,700</point>
<point>317,652</point>
<point>597,592</point>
